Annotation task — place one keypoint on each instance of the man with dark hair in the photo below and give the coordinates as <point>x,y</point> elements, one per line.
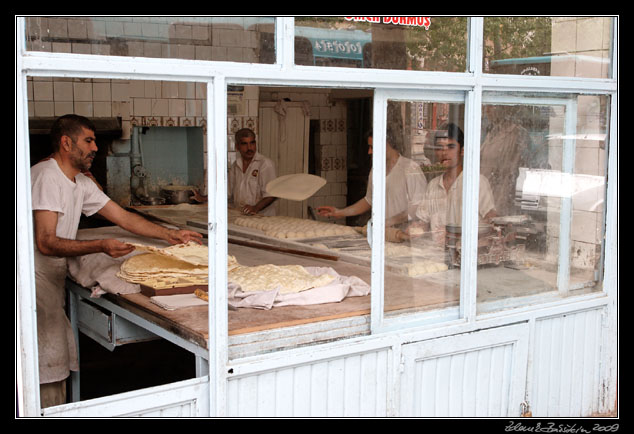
<point>248,176</point>
<point>73,122</point>
<point>442,203</point>
<point>60,194</point>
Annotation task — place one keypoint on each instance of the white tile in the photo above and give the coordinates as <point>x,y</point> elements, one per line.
<point>62,91</point>
<point>177,107</point>
<point>82,91</point>
<point>63,107</point>
<point>101,92</point>
<point>160,107</point>
<point>84,108</point>
<point>102,109</point>
<point>42,91</point>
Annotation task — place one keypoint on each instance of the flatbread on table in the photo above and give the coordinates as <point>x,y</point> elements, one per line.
<point>191,252</point>
<point>288,279</point>
<point>159,271</point>
<point>170,267</point>
<point>187,265</point>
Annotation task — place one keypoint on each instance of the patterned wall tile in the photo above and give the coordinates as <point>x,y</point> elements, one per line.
<point>235,123</point>
<point>251,123</point>
<point>169,121</point>
<point>186,121</point>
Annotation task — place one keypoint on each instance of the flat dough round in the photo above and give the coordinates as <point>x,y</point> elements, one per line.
<point>298,186</point>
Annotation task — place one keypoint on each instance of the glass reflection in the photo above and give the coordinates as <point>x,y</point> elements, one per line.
<point>419,270</point>
<point>548,46</point>
<point>546,167</point>
<point>404,43</point>
<point>235,39</point>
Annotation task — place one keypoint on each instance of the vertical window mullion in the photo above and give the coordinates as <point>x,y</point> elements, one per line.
<point>377,231</point>
<point>565,219</point>
<point>475,45</point>
<point>471,179</point>
<point>285,41</point>
<point>27,374</point>
<point>470,195</point>
<point>217,242</point>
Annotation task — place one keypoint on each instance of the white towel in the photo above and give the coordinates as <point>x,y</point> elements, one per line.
<point>337,290</point>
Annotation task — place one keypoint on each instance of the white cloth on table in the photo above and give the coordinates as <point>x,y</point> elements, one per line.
<point>98,271</point>
<point>336,291</point>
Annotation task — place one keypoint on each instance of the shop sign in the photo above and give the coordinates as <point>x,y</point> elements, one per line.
<point>338,48</point>
<point>402,21</point>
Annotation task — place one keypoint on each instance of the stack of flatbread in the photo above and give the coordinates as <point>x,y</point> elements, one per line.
<point>191,252</point>
<point>171,267</point>
<point>185,265</point>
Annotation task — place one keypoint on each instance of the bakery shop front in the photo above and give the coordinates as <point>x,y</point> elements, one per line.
<point>385,216</point>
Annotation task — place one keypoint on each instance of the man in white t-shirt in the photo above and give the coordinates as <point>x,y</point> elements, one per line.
<point>442,202</point>
<point>248,176</point>
<point>405,186</point>
<point>60,194</point>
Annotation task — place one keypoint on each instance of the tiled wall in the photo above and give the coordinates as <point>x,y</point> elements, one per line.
<point>147,103</point>
<point>166,103</point>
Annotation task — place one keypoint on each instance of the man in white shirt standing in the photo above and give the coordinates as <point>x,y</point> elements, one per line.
<point>442,203</point>
<point>405,186</point>
<point>60,194</point>
<point>248,176</point>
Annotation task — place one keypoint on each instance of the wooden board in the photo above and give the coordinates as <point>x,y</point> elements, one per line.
<point>401,292</point>
<point>151,292</point>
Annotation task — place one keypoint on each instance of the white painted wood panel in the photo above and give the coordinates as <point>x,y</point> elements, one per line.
<point>480,374</point>
<point>351,386</point>
<point>188,398</point>
<point>565,373</point>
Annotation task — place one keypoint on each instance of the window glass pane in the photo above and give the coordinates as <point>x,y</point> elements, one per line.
<point>548,46</point>
<point>236,39</point>
<point>169,115</point>
<point>423,195</point>
<point>148,134</point>
<point>545,162</point>
<point>405,43</point>
<point>312,142</point>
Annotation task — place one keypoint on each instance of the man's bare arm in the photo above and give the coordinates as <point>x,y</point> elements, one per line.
<point>138,225</point>
<point>48,243</point>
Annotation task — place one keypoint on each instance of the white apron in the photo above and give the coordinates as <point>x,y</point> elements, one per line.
<point>56,342</point>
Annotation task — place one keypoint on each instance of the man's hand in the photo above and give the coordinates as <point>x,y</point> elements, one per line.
<point>198,197</point>
<point>328,211</point>
<point>183,236</point>
<point>116,248</point>
<point>416,229</point>
<point>248,210</point>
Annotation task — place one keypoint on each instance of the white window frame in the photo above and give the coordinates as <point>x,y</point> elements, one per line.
<point>387,83</point>
<point>379,323</point>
